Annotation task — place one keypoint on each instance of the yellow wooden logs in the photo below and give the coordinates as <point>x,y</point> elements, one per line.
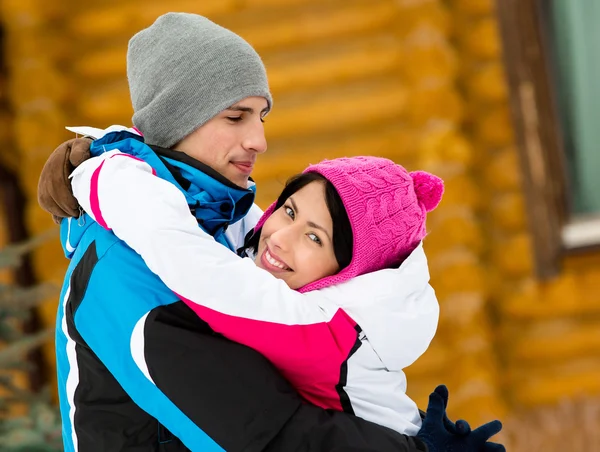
<point>487,83</point>
<point>473,7</point>
<point>531,386</point>
<point>479,38</point>
<point>346,107</point>
<point>309,23</point>
<point>338,62</point>
<point>126,18</point>
<point>502,171</point>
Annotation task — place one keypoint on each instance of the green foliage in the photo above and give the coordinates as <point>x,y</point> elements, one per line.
<point>40,429</point>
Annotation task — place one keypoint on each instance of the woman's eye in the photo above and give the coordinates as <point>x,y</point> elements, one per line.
<point>314,238</point>
<point>234,118</point>
<point>290,212</point>
<point>262,120</point>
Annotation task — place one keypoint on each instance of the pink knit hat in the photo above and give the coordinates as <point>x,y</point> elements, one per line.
<point>387,207</point>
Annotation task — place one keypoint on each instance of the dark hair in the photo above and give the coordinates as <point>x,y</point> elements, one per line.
<point>342,230</point>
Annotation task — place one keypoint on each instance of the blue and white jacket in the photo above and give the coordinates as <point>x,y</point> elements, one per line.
<point>111,306</point>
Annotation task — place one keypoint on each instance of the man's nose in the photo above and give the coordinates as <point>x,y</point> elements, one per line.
<point>255,139</point>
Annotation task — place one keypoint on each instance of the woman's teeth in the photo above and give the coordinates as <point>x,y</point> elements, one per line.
<point>274,262</point>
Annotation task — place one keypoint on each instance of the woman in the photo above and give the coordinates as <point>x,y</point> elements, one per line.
<point>342,346</point>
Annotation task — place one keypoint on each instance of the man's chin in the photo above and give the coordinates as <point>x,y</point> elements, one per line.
<point>239,174</point>
<point>241,183</point>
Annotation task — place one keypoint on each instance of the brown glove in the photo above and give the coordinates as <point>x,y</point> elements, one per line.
<point>55,194</point>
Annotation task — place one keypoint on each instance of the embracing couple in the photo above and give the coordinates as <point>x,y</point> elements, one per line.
<point>191,320</point>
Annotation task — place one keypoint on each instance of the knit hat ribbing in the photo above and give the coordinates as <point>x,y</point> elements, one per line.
<point>183,70</point>
<point>387,208</point>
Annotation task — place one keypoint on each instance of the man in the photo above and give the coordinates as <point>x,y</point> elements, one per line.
<point>137,369</point>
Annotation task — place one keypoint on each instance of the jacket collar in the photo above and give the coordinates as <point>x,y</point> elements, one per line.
<point>214,200</point>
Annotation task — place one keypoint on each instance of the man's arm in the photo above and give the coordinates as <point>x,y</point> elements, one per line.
<point>239,300</point>
<point>109,297</point>
<point>209,392</point>
<point>313,429</point>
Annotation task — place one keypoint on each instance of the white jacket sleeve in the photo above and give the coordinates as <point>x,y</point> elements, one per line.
<point>239,300</point>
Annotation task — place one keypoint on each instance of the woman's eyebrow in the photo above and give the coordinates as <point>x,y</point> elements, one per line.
<point>312,224</point>
<point>294,204</point>
<point>316,226</point>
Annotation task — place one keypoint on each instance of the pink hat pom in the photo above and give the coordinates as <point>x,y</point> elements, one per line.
<point>429,189</point>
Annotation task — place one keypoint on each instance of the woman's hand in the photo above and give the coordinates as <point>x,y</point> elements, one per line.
<point>442,435</point>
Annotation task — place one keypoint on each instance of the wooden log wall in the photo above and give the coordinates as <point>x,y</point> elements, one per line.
<point>418,81</point>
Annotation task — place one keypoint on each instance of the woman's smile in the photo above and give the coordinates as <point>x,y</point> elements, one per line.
<point>274,263</point>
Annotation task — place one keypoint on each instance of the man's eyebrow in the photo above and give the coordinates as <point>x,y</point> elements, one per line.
<point>310,223</point>
<point>247,109</point>
<point>240,108</point>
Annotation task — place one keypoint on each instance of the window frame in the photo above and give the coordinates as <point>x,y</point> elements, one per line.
<point>527,55</point>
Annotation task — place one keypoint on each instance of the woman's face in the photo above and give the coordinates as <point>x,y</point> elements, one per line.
<point>296,242</point>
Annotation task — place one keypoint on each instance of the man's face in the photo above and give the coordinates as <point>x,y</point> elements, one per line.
<point>230,142</point>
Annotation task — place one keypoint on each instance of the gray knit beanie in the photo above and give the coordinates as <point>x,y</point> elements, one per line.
<point>183,70</point>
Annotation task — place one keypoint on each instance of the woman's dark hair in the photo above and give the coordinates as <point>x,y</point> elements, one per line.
<point>342,230</point>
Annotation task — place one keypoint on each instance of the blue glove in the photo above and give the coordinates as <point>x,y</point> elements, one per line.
<point>442,435</point>
<point>461,427</point>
